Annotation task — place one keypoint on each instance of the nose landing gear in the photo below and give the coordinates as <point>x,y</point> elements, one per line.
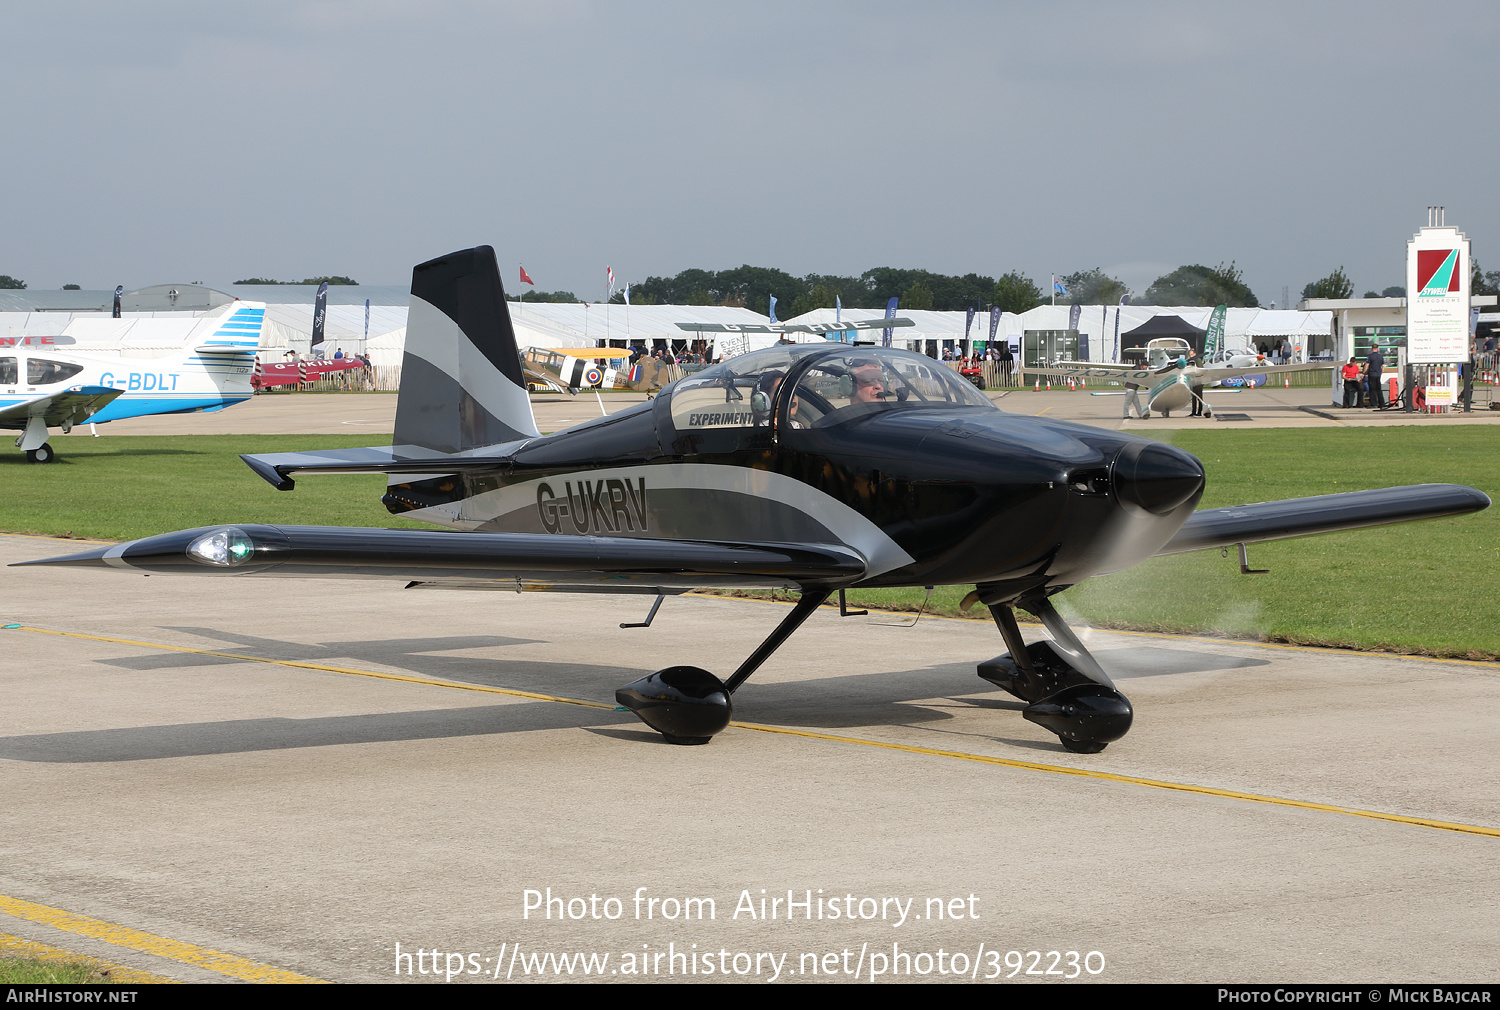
<point>1067,691</point>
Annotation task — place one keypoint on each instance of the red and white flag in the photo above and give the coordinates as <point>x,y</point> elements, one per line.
<point>525,279</point>
<point>609,275</point>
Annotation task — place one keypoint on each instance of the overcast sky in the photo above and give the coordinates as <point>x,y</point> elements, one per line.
<point>169,142</point>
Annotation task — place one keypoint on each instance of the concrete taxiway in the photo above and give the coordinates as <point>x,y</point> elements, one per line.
<point>297,776</point>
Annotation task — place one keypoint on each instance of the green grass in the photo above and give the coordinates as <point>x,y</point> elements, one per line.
<point>1413,587</point>
<point>46,971</point>
<point>123,487</point>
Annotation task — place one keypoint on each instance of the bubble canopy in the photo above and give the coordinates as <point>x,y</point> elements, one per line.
<point>830,385</point>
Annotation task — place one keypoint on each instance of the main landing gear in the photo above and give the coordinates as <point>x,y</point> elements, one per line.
<point>688,705</point>
<point>33,441</point>
<point>1067,691</point>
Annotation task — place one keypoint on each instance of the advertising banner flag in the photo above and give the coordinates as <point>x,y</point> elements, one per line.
<point>773,310</point>
<point>890,313</point>
<point>320,313</point>
<point>994,323</point>
<point>969,321</point>
<point>1437,297</point>
<point>119,293</point>
<point>1073,314</point>
<point>367,319</point>
<point>1213,342</point>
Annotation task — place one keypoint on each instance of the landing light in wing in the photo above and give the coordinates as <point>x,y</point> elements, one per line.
<point>224,547</point>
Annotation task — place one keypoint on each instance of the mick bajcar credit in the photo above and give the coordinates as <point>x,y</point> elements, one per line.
<point>885,953</point>
<point>1362,994</point>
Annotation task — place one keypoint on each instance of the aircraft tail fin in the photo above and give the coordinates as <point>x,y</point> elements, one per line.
<point>237,330</point>
<point>462,386</point>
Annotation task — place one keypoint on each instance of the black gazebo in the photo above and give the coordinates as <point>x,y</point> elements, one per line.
<point>1163,326</point>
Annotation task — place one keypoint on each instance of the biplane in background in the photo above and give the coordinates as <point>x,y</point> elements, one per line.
<point>567,370</point>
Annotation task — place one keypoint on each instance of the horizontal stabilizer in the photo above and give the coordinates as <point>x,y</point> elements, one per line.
<point>1327,513</point>
<point>863,324</point>
<point>278,468</point>
<point>246,349</point>
<point>516,559</point>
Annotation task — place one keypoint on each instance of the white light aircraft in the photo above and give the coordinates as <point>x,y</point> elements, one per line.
<point>1171,379</point>
<point>42,389</point>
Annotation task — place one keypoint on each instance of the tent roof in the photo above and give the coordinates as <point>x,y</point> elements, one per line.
<point>1163,326</point>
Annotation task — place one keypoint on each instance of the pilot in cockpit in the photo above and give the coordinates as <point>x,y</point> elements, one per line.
<point>869,381</point>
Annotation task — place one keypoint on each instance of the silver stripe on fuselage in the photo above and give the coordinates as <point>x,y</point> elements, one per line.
<point>113,556</point>
<point>490,509</point>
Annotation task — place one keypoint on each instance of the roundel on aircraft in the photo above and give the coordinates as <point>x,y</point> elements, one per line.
<point>593,377</point>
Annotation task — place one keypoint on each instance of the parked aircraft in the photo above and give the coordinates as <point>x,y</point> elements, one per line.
<point>56,389</point>
<point>1170,377</point>
<point>572,368</point>
<point>812,467</point>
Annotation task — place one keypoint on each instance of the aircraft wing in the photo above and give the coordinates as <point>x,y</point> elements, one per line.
<point>862,324</point>
<point>1214,372</point>
<point>540,377</point>
<point>1327,513</point>
<point>71,406</point>
<point>501,560</point>
<point>1084,369</point>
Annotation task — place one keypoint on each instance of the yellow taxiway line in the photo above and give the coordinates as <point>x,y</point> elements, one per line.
<point>324,667</point>
<point>1232,794</point>
<point>114,974</point>
<point>150,943</point>
<point>1473,829</point>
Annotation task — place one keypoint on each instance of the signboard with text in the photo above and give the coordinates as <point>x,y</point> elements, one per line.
<point>1437,297</point>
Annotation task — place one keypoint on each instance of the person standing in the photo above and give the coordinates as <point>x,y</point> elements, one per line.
<point>1374,365</point>
<point>1197,388</point>
<point>1350,374</point>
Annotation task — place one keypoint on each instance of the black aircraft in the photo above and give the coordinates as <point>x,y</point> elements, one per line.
<point>813,467</point>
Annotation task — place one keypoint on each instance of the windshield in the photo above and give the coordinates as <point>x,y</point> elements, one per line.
<point>863,381</point>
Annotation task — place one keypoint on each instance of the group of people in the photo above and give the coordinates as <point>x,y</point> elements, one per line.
<point>1280,355</point>
<point>1362,381</point>
<point>684,358</point>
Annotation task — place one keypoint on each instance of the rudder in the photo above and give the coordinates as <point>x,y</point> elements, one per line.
<point>461,382</point>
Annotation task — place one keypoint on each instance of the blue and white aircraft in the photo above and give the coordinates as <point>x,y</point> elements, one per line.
<point>42,389</point>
